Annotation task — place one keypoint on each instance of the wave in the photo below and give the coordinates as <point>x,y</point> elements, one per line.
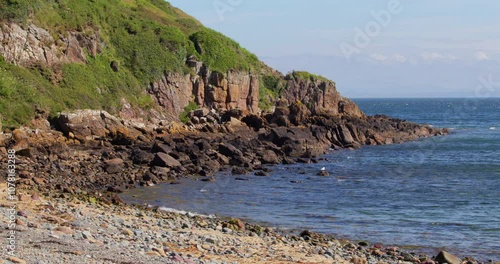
<point>493,128</point>
<point>182,212</point>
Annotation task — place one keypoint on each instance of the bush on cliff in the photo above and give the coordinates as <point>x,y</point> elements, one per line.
<point>306,76</point>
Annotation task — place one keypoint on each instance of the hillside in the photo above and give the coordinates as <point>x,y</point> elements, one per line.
<point>102,51</point>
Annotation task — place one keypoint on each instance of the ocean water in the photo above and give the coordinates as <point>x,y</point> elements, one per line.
<point>437,193</point>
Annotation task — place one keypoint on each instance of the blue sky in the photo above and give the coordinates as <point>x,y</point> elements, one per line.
<point>389,48</point>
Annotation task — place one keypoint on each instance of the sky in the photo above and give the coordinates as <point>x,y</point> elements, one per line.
<point>381,48</point>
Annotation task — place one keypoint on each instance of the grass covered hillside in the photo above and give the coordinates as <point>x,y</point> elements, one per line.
<point>142,38</point>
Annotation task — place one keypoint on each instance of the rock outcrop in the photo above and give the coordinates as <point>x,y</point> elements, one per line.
<point>87,125</point>
<point>33,45</point>
<point>320,96</point>
<point>214,90</point>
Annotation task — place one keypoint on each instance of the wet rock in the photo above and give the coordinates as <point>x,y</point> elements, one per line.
<point>114,189</point>
<point>363,243</point>
<point>208,179</point>
<point>270,157</point>
<point>261,173</point>
<point>241,179</point>
<point>304,160</point>
<point>445,257</point>
<point>239,171</point>
<point>306,233</point>
<point>323,173</point>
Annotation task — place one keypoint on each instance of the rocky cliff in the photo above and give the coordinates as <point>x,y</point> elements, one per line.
<point>214,90</point>
<point>319,94</point>
<point>31,45</point>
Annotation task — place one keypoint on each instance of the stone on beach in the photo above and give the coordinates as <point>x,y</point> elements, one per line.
<point>445,257</point>
<point>16,260</point>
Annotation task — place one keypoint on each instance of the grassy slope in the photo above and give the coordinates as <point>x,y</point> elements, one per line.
<point>146,37</point>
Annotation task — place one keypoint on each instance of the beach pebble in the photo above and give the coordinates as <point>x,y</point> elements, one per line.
<point>16,260</point>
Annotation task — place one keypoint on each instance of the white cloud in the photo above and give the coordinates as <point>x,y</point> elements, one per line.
<point>394,58</point>
<point>481,56</point>
<point>399,58</point>
<point>436,56</point>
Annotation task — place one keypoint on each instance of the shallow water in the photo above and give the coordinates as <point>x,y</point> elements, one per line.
<point>441,192</point>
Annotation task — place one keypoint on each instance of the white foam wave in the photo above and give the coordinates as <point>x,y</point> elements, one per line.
<point>493,128</point>
<point>182,212</point>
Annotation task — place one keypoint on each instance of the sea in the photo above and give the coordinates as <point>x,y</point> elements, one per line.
<point>440,193</point>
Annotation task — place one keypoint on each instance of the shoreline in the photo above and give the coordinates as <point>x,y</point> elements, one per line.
<point>424,251</point>
<point>61,166</point>
<point>76,230</point>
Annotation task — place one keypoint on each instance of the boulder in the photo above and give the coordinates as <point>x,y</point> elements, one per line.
<point>202,112</point>
<point>86,125</point>
<point>239,171</point>
<point>261,173</point>
<point>445,257</point>
<point>254,121</point>
<point>234,122</point>
<point>346,135</point>
<point>229,150</point>
<point>323,173</point>
<point>141,157</point>
<point>114,165</point>
<point>159,147</point>
<point>164,160</point>
<point>269,157</point>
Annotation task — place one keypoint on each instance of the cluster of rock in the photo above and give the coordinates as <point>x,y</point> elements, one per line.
<point>51,228</point>
<point>93,150</point>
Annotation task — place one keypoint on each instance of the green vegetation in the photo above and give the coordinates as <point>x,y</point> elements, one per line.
<point>269,89</point>
<point>22,90</point>
<point>17,10</point>
<point>303,75</point>
<point>222,54</point>
<point>145,37</point>
<point>190,107</point>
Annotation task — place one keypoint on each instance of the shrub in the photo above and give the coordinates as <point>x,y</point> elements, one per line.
<point>190,107</point>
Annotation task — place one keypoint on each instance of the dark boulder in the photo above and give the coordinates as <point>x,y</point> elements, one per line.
<point>445,257</point>
<point>165,160</point>
<point>229,150</point>
<point>239,171</point>
<point>141,157</point>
